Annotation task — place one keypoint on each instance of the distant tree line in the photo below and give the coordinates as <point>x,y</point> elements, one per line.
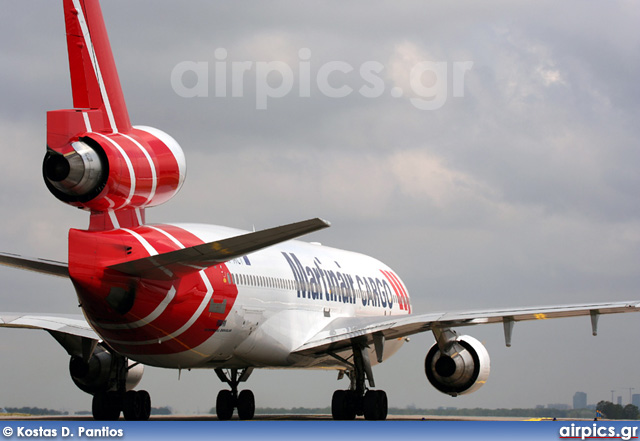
<point>34,411</point>
<point>617,412</point>
<point>166,410</point>
<point>478,412</point>
<point>515,413</point>
<point>608,409</point>
<point>41,411</point>
<point>283,411</point>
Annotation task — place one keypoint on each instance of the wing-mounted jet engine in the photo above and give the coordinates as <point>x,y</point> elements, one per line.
<point>100,372</point>
<point>456,365</point>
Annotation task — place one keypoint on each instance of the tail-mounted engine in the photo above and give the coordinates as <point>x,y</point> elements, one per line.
<point>463,367</point>
<point>99,172</point>
<point>103,372</point>
<point>95,159</point>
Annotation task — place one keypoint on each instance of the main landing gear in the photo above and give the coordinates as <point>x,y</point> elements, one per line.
<point>229,400</point>
<point>358,400</point>
<point>134,405</point>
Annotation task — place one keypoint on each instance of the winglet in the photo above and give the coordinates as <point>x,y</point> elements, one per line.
<point>174,264</point>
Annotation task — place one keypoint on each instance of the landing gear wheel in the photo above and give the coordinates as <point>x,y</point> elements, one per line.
<point>146,404</point>
<point>136,406</point>
<point>338,402</point>
<point>246,405</point>
<point>106,406</point>
<point>224,405</point>
<point>383,402</point>
<point>132,406</point>
<point>352,405</point>
<point>375,405</point>
<point>343,405</point>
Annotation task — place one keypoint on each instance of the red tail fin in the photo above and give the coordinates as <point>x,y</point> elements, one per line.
<point>94,78</point>
<point>95,159</point>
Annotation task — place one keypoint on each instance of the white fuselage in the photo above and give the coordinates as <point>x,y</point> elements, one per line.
<point>287,293</point>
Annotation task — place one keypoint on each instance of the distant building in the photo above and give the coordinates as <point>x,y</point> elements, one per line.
<point>620,400</point>
<point>580,400</point>
<point>635,400</point>
<point>558,406</point>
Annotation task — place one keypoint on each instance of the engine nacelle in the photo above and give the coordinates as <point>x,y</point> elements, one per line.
<point>100,374</point>
<point>463,369</point>
<point>141,168</point>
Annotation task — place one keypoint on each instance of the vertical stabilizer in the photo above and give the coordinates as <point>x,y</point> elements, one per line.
<point>94,78</point>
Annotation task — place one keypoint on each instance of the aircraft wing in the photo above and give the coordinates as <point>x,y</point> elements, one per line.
<point>340,332</point>
<point>71,324</point>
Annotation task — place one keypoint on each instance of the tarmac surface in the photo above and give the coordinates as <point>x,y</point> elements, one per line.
<point>275,418</point>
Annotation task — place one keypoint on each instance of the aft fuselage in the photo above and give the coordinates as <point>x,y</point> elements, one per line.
<point>250,311</point>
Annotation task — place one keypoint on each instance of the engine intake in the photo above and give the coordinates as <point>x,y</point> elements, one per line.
<point>100,373</point>
<point>462,369</point>
<point>79,175</point>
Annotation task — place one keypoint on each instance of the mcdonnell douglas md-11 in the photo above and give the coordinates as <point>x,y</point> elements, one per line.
<point>189,296</point>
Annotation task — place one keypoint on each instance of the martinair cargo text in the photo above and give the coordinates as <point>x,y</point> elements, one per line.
<point>202,296</point>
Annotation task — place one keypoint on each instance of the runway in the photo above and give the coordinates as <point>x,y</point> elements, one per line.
<point>322,417</point>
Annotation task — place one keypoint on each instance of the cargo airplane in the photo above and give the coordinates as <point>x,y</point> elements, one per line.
<point>188,296</point>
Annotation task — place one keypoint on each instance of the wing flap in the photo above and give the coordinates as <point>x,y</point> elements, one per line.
<point>338,334</point>
<point>174,264</point>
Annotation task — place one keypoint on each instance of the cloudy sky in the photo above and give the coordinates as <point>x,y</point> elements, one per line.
<point>488,152</point>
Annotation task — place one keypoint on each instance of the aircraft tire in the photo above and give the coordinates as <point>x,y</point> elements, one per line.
<point>224,405</point>
<point>246,405</point>
<point>375,405</point>
<point>343,405</point>
<point>146,404</point>
<point>106,406</point>
<point>337,405</point>
<point>350,406</point>
<point>132,406</point>
<point>136,405</point>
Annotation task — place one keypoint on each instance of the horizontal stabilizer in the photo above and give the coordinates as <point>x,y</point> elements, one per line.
<point>174,264</point>
<point>45,266</point>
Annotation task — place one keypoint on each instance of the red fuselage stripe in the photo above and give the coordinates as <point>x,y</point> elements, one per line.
<point>401,300</point>
<point>404,291</point>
